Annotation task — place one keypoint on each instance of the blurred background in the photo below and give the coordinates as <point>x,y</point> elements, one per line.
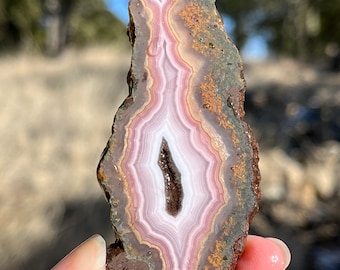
<point>63,67</point>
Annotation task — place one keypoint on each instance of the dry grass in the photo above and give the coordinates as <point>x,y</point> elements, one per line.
<point>55,118</point>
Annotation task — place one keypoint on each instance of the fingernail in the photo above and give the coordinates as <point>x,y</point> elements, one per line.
<point>285,251</point>
<point>99,241</point>
<point>91,254</point>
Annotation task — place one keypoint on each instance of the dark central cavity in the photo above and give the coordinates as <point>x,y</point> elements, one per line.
<point>172,180</point>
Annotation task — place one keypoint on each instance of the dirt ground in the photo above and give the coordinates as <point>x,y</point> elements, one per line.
<point>55,119</point>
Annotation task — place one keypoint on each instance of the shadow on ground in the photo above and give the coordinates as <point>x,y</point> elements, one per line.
<point>81,219</point>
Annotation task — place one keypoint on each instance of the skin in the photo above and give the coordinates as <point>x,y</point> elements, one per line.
<point>260,254</point>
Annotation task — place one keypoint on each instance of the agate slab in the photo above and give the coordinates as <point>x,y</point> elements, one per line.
<point>180,169</point>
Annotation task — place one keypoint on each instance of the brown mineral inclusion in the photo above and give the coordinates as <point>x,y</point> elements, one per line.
<point>172,179</point>
<point>180,170</point>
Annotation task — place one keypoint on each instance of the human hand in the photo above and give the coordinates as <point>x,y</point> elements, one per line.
<point>89,255</point>
<point>264,254</point>
<point>260,254</point>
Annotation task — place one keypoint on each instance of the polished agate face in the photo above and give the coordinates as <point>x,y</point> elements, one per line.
<point>180,169</point>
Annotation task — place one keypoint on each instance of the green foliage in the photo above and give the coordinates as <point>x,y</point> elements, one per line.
<point>299,28</point>
<point>107,28</point>
<point>330,22</point>
<point>239,11</point>
<point>50,25</point>
<point>19,23</point>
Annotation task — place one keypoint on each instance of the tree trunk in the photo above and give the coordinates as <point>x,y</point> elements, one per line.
<point>57,25</point>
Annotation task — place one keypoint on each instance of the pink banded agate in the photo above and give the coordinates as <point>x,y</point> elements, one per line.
<point>180,169</point>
